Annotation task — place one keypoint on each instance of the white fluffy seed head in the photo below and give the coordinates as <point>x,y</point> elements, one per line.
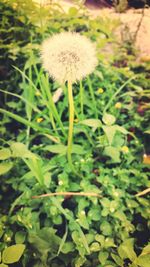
<point>68,56</point>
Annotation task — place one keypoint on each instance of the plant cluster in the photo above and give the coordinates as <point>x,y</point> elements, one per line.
<point>91,214</point>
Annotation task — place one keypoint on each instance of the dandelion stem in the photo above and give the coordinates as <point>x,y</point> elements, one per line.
<point>71,119</point>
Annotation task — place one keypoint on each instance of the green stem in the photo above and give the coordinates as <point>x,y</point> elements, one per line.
<point>117,92</point>
<point>71,119</point>
<point>93,97</point>
<point>81,98</point>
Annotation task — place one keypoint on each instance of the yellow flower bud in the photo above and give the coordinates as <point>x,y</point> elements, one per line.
<point>118,105</point>
<point>100,91</point>
<point>39,120</point>
<point>125,149</point>
<point>37,93</point>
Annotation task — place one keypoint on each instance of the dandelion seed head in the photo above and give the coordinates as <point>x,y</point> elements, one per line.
<point>68,56</point>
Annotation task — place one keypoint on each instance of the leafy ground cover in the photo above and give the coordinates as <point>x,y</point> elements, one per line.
<point>50,215</point>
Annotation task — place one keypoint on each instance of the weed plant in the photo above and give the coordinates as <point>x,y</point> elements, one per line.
<point>50,216</point>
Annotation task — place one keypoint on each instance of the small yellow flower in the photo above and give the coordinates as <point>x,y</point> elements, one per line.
<point>14,5</point>
<point>76,120</point>
<point>39,120</point>
<point>125,149</point>
<point>100,91</point>
<point>118,105</point>
<point>37,93</point>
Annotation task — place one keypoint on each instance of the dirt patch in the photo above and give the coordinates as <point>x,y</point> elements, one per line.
<point>131,20</point>
<point>136,22</point>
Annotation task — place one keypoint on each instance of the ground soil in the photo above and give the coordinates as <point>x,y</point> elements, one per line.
<point>130,19</point>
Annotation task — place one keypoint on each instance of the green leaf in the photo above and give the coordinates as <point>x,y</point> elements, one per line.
<point>56,149</point>
<point>82,220</point>
<point>13,253</point>
<point>103,255</point>
<point>95,246</point>
<point>117,259</point>
<point>3,265</point>
<point>106,229</point>
<point>62,149</point>
<point>99,74</point>
<point>67,247</point>
<point>109,242</point>
<point>110,132</point>
<point>79,261</point>
<point>5,153</point>
<point>100,239</point>
<point>121,129</point>
<point>20,150</point>
<point>20,237</point>
<point>126,250</point>
<point>108,119</point>
<point>147,131</point>
<point>5,167</point>
<point>73,11</point>
<point>94,123</point>
<point>143,260</point>
<point>77,149</point>
<point>94,214</point>
<point>146,250</point>
<point>45,240</point>
<point>113,153</point>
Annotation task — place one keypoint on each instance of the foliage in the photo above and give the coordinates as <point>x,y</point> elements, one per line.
<point>110,138</point>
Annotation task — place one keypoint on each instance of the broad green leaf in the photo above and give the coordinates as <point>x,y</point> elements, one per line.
<point>77,149</point>
<point>108,119</point>
<point>120,215</point>
<point>5,153</point>
<point>13,253</point>
<point>146,250</point>
<point>95,246</point>
<point>121,129</point>
<point>106,229</point>
<point>118,260</point>
<point>20,237</point>
<point>100,239</point>
<point>67,247</point>
<point>109,242</point>
<point>20,150</point>
<point>82,220</point>
<point>126,250</point>
<point>94,123</point>
<point>143,260</point>
<point>110,132</point>
<point>147,131</point>
<point>113,153</point>
<point>5,167</point>
<point>62,149</point>
<point>56,149</point>
<point>79,243</point>
<point>73,11</point>
<point>103,255</point>
<point>79,261</point>
<point>3,265</point>
<point>94,214</point>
